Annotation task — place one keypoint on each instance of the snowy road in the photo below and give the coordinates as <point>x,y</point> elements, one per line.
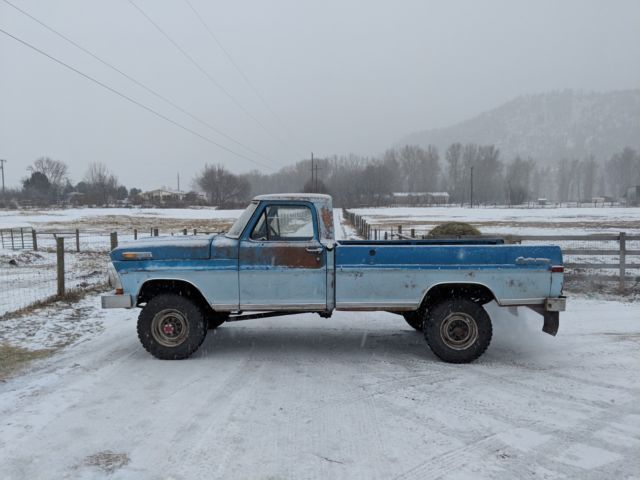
<point>354,396</point>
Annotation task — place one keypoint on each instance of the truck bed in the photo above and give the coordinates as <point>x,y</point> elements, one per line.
<point>395,274</point>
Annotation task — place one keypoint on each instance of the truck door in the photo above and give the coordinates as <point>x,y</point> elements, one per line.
<point>282,264</point>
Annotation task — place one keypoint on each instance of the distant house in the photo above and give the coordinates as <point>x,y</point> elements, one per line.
<point>420,198</point>
<point>162,196</point>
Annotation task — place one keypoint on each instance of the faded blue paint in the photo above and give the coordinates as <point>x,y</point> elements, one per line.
<point>248,274</point>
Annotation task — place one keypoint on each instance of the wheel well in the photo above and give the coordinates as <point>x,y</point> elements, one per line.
<point>475,292</point>
<point>153,288</point>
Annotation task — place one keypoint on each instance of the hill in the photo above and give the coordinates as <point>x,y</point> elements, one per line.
<point>549,126</point>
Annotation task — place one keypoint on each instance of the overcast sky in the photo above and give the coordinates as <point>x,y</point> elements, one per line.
<point>341,76</point>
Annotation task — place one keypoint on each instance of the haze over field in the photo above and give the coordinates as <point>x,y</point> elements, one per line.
<point>331,78</point>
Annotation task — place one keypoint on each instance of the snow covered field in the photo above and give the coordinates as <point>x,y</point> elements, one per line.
<point>514,221</point>
<point>358,395</point>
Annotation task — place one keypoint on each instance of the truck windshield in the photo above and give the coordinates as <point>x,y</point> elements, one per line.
<point>236,230</point>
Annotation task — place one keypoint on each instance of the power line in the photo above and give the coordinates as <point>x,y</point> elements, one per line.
<point>203,71</point>
<point>235,65</point>
<point>135,102</point>
<point>137,82</point>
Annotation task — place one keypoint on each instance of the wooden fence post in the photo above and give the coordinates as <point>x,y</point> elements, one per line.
<point>34,238</point>
<point>623,258</point>
<point>12,244</point>
<point>22,237</point>
<point>114,240</point>
<point>184,232</point>
<point>195,231</point>
<point>60,265</point>
<point>155,232</point>
<point>413,233</point>
<point>135,233</point>
<point>77,240</point>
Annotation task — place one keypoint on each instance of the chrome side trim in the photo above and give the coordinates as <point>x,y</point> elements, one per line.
<point>116,301</point>
<point>224,307</point>
<point>303,307</point>
<point>364,306</point>
<point>514,302</point>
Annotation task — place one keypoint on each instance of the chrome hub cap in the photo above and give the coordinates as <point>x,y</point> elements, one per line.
<point>169,328</point>
<point>459,331</point>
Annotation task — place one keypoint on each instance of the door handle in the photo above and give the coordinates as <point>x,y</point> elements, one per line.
<point>314,250</point>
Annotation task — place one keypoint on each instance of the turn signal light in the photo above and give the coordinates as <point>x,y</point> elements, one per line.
<point>137,255</point>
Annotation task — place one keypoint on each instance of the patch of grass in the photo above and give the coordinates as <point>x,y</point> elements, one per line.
<point>14,358</point>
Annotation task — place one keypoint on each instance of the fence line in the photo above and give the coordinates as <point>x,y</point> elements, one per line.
<point>39,265</point>
<point>615,254</point>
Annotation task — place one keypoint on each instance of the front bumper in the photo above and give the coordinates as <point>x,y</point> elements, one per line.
<point>117,301</point>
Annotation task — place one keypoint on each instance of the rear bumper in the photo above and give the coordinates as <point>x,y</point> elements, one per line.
<point>550,312</point>
<point>117,301</point>
<point>555,304</point>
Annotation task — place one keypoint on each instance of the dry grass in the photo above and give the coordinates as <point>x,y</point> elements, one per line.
<point>12,358</point>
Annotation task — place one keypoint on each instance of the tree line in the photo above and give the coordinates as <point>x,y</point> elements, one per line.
<point>355,180</point>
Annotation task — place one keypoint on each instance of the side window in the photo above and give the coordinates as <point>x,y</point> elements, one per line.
<point>282,222</point>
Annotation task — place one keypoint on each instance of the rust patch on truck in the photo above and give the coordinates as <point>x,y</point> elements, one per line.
<point>281,256</point>
<point>327,220</point>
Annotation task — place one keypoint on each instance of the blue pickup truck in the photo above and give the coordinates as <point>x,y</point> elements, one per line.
<point>281,257</point>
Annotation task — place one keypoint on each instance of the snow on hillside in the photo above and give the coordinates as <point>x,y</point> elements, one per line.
<point>549,126</point>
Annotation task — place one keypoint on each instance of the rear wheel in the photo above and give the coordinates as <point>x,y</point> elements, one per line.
<point>171,327</point>
<point>457,330</point>
<point>414,319</point>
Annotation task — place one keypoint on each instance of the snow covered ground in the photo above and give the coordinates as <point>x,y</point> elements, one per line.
<point>358,395</point>
<point>355,396</point>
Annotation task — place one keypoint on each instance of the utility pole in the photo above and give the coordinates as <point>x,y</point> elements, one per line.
<point>313,183</point>
<point>471,187</point>
<point>314,175</point>
<point>178,182</point>
<point>2,162</point>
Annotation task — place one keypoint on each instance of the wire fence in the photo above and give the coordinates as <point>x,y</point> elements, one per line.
<point>30,261</point>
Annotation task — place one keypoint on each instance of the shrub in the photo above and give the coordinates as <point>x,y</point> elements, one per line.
<point>454,229</point>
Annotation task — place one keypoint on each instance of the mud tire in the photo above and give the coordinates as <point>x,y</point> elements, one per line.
<point>171,327</point>
<point>457,330</point>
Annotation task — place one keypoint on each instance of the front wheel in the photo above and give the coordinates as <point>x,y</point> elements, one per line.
<point>457,330</point>
<point>171,327</point>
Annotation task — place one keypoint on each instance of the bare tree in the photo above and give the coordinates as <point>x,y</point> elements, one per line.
<point>223,188</point>
<point>56,171</point>
<point>100,185</point>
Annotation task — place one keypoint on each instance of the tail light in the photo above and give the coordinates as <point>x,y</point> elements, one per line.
<point>557,269</point>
